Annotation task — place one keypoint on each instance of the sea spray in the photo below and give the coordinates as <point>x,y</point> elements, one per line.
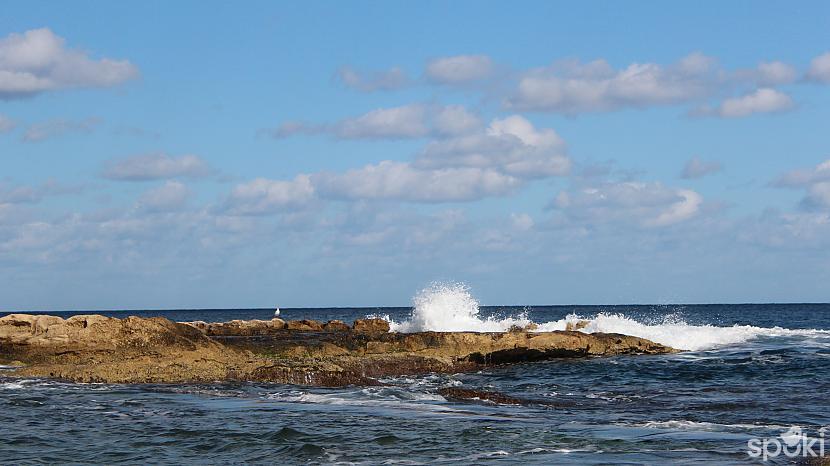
<point>673,331</point>
<point>450,307</point>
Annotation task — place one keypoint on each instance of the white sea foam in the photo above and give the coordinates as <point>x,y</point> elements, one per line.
<point>11,386</point>
<point>675,332</point>
<point>450,307</point>
<point>707,426</point>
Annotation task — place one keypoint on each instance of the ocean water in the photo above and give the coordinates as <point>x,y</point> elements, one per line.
<point>752,371</point>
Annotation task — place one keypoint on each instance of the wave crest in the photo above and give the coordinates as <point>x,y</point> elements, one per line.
<point>450,307</point>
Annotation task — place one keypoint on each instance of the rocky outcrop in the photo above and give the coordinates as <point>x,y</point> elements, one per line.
<point>578,325</point>
<point>371,326</point>
<point>336,326</point>
<point>138,350</point>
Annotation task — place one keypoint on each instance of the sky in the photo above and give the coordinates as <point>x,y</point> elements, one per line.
<point>307,154</point>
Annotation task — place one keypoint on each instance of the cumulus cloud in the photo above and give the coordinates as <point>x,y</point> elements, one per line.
<point>263,196</point>
<point>820,69</point>
<point>465,161</point>
<point>764,100</point>
<point>574,87</point>
<point>156,167</point>
<point>454,120</point>
<point>19,194</point>
<point>25,194</point>
<point>387,80</point>
<point>169,197</point>
<point>521,222</point>
<point>37,61</point>
<point>511,145</point>
<point>805,177</point>
<point>648,204</point>
<point>815,181</point>
<point>818,196</point>
<point>698,168</point>
<point>40,132</point>
<point>459,69</point>
<point>7,125</point>
<point>406,121</point>
<point>389,180</point>
<point>775,73</point>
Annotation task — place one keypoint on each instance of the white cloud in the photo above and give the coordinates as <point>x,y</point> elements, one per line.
<point>156,167</point>
<point>764,100</point>
<point>805,177</point>
<point>816,182</point>
<point>263,196</point>
<point>818,196</point>
<point>7,125</point>
<point>389,180</point>
<point>40,132</point>
<point>698,168</point>
<point>169,197</point>
<point>521,222</point>
<point>820,69</point>
<point>459,69</point>
<point>648,204</point>
<point>406,121</point>
<point>523,129</point>
<point>511,145</point>
<point>33,194</point>
<point>38,61</point>
<point>19,194</point>
<point>683,209</point>
<point>464,162</point>
<point>574,87</point>
<point>387,80</point>
<point>454,119</point>
<point>775,73</point>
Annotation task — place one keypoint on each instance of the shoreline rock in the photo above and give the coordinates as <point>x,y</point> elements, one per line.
<point>95,348</point>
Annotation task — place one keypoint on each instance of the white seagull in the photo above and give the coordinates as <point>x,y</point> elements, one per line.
<point>277,312</point>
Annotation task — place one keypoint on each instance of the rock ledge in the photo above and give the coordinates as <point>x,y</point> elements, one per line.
<point>94,348</point>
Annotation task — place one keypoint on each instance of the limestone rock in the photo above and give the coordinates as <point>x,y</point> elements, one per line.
<point>579,325</point>
<point>371,326</point>
<point>138,350</point>
<point>306,325</point>
<point>336,326</point>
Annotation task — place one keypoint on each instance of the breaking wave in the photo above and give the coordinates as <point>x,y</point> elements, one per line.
<point>673,331</point>
<point>450,307</point>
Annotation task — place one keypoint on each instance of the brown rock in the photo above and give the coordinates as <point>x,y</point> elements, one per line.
<point>371,326</point>
<point>336,326</point>
<point>136,350</point>
<point>466,394</point>
<point>579,325</point>
<point>305,325</point>
<point>277,323</point>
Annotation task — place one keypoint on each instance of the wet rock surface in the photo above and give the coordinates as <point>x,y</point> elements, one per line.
<point>156,350</point>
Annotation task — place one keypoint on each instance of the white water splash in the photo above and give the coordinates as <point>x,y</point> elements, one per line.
<point>449,307</point>
<point>673,331</point>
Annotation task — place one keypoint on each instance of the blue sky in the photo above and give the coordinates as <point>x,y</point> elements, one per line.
<point>206,154</point>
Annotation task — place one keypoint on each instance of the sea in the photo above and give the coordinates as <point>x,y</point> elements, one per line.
<point>752,387</point>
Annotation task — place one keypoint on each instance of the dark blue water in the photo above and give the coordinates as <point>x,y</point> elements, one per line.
<point>758,370</point>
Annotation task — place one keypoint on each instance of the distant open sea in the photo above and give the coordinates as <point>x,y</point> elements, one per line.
<point>752,371</point>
